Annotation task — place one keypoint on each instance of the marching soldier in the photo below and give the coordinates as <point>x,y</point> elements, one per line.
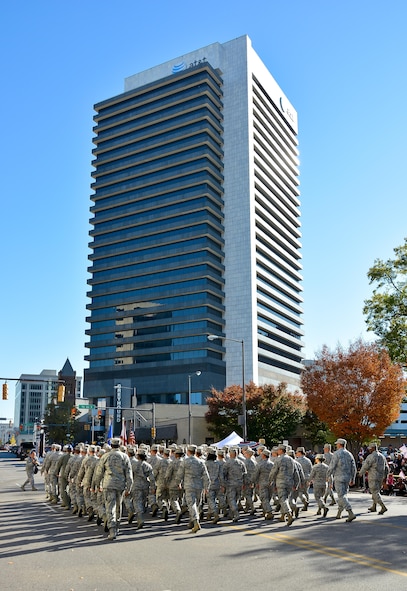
<point>318,477</point>
<point>261,478</point>
<point>377,470</point>
<point>234,477</point>
<point>114,478</point>
<point>343,470</point>
<point>195,479</point>
<point>283,476</point>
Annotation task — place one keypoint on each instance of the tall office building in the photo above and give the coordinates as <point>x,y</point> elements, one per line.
<point>195,231</point>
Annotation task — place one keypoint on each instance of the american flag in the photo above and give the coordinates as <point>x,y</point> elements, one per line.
<point>132,437</point>
<point>123,434</point>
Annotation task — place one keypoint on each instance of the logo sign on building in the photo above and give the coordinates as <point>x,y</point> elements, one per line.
<point>287,111</point>
<point>178,67</point>
<point>118,403</point>
<point>183,66</point>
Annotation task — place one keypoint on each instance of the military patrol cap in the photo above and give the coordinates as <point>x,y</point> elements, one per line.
<point>179,451</point>
<point>266,452</point>
<point>300,450</point>
<point>249,450</point>
<point>372,445</point>
<point>141,453</point>
<point>282,446</point>
<point>192,448</point>
<point>320,457</point>
<point>166,451</point>
<point>221,452</point>
<point>78,448</point>
<point>155,447</point>
<point>67,448</point>
<point>341,441</point>
<point>92,448</point>
<point>131,451</point>
<point>115,442</point>
<point>173,446</point>
<point>211,450</point>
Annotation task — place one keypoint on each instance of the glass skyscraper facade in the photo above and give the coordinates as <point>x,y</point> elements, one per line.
<point>195,231</point>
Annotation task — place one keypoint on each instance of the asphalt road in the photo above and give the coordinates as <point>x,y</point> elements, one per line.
<point>45,548</point>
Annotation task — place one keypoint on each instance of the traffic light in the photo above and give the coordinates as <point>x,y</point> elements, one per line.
<point>153,432</point>
<point>61,393</point>
<point>99,413</point>
<point>5,391</point>
<point>73,412</point>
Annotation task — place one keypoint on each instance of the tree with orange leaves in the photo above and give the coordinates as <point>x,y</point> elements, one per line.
<point>273,413</point>
<point>356,392</point>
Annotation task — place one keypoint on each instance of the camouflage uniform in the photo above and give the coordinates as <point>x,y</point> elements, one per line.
<point>162,492</point>
<point>53,474</point>
<point>115,476</point>
<point>328,455</point>
<point>343,470</point>
<point>44,471</point>
<point>80,499</point>
<point>99,506</point>
<point>283,475</point>
<point>195,478</point>
<point>63,480</point>
<point>143,482</point>
<point>303,489</point>
<point>214,472</point>
<point>248,487</point>
<point>173,479</point>
<point>85,476</point>
<point>377,470</point>
<point>318,478</point>
<point>153,460</point>
<point>234,477</point>
<point>72,470</point>
<point>262,479</point>
<point>222,501</point>
<point>30,463</point>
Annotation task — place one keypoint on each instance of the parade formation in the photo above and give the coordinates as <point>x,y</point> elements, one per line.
<point>204,482</point>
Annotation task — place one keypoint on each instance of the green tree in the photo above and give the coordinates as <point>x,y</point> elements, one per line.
<point>62,427</point>
<point>386,310</point>
<point>316,430</point>
<point>273,413</point>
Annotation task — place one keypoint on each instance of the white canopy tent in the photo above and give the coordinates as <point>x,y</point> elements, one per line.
<point>232,439</point>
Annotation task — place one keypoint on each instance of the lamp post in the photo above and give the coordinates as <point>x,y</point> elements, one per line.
<point>197,373</point>
<point>214,337</point>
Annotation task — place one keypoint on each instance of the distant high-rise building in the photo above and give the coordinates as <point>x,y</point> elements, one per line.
<point>195,231</point>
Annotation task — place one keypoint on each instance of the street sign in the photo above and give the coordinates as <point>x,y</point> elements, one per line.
<point>86,406</point>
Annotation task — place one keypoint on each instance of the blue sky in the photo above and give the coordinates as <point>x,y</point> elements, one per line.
<point>341,64</point>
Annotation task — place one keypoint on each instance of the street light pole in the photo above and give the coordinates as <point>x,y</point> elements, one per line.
<point>197,373</point>
<point>214,337</point>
